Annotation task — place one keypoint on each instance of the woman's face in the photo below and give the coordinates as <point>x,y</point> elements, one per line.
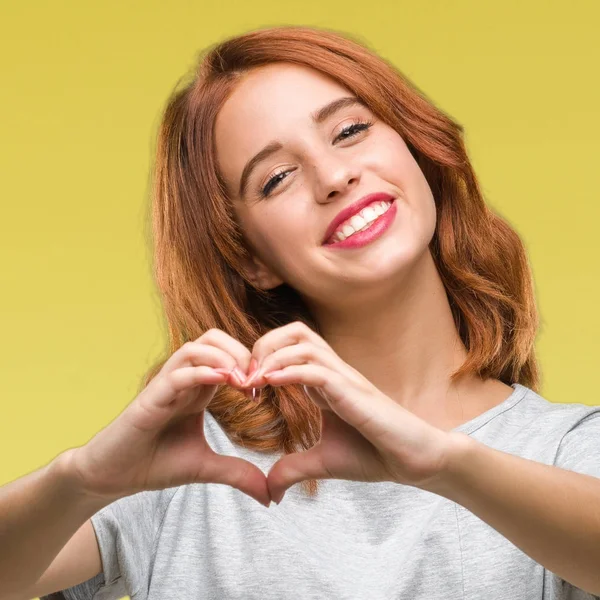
<point>317,173</point>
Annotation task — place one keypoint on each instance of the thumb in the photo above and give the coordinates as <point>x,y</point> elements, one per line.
<point>294,468</point>
<point>239,474</point>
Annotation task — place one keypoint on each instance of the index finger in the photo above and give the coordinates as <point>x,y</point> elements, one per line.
<point>221,339</point>
<point>286,335</point>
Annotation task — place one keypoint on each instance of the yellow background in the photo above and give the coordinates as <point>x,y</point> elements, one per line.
<point>83,85</point>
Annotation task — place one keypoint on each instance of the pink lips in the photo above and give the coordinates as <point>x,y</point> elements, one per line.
<point>353,209</point>
<point>371,233</point>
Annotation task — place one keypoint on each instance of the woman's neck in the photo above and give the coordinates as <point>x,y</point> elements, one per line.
<point>409,347</point>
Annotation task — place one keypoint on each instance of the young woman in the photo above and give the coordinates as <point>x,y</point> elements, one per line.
<point>346,314</point>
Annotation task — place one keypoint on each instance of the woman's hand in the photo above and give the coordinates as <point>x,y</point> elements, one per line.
<point>365,436</point>
<point>158,440</point>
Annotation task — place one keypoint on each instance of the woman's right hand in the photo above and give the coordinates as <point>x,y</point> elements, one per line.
<point>158,440</point>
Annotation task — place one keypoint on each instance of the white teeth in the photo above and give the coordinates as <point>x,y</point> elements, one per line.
<point>357,222</point>
<point>362,220</point>
<point>348,230</point>
<point>369,214</point>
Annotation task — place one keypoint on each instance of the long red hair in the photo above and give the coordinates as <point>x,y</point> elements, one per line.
<point>198,246</point>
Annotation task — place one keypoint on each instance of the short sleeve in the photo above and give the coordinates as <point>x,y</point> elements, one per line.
<point>579,449</point>
<point>126,531</point>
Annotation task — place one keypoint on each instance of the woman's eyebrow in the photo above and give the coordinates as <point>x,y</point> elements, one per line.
<point>318,117</point>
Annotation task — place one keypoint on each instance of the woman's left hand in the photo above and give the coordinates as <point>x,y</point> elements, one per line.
<point>365,435</point>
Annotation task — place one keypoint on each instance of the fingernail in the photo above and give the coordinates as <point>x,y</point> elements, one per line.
<point>239,375</point>
<point>256,375</point>
<point>250,379</point>
<point>253,365</point>
<point>251,371</point>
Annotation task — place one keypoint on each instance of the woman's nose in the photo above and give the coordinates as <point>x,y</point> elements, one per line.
<point>334,177</point>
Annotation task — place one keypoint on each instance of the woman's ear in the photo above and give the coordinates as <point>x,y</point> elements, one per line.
<point>260,275</point>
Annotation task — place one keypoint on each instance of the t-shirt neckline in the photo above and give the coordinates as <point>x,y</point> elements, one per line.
<point>517,395</point>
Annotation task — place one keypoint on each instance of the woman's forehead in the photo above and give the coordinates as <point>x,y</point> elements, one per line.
<point>269,104</point>
<point>278,93</point>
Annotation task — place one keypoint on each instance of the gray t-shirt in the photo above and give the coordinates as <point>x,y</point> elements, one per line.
<point>355,540</point>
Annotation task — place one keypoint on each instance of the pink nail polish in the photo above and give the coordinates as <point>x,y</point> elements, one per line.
<point>253,366</point>
<point>239,375</point>
<point>250,379</point>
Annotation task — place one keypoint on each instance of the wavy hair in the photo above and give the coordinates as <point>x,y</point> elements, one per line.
<point>198,246</point>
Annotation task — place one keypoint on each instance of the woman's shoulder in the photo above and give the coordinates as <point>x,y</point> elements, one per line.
<point>562,415</point>
<point>530,425</point>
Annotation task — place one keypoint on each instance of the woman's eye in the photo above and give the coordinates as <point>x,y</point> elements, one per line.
<point>346,133</point>
<point>272,183</point>
<point>352,129</point>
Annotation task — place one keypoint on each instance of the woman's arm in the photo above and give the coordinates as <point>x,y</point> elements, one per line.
<point>551,514</point>
<point>39,513</point>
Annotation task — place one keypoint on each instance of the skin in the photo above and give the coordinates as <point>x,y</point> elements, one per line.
<point>382,307</point>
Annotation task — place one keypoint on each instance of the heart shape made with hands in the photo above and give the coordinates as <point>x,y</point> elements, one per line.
<point>365,435</point>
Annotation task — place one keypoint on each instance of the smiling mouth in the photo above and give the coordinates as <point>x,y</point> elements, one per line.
<point>360,221</point>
